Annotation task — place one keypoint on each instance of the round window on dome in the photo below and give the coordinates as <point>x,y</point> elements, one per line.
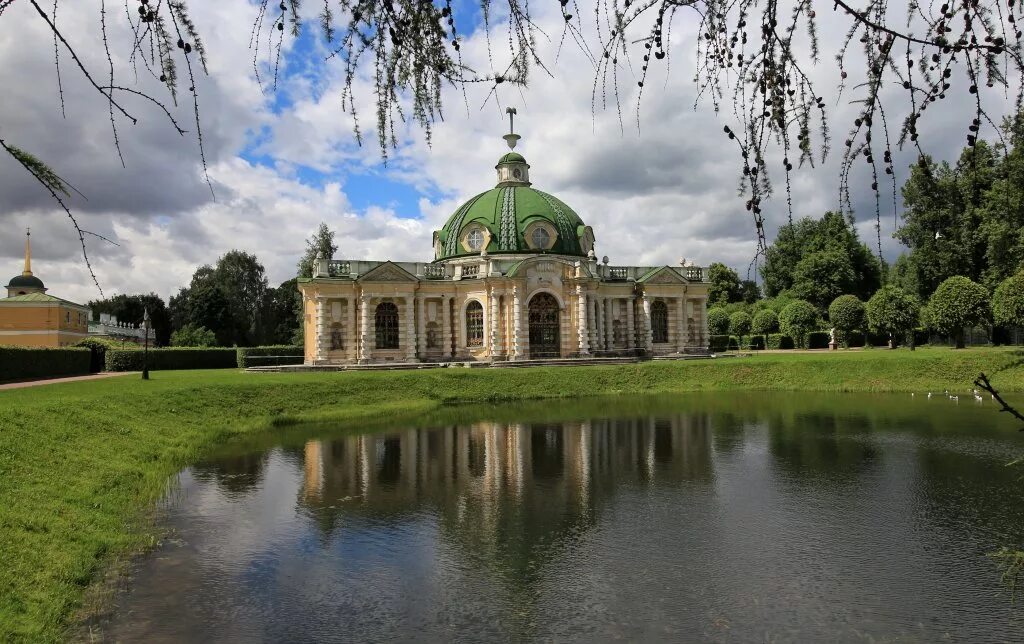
<point>475,239</point>
<point>540,237</point>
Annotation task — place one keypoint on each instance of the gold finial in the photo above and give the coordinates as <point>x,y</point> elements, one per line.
<point>28,253</point>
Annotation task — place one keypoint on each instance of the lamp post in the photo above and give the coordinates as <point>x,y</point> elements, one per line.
<point>145,351</point>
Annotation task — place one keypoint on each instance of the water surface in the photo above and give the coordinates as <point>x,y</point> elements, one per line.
<point>735,518</point>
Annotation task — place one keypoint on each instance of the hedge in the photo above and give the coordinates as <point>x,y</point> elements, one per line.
<point>172,358</point>
<point>719,343</point>
<point>779,341</point>
<point>818,339</point>
<point>24,363</point>
<point>256,356</point>
<point>269,361</point>
<point>756,342</point>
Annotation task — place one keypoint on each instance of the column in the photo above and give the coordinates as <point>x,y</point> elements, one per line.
<point>702,308</point>
<point>421,326</point>
<point>321,338</point>
<point>410,327</point>
<point>581,298</point>
<point>352,341</point>
<point>646,331</point>
<point>446,327</point>
<point>517,325</point>
<point>609,306</point>
<point>630,323</point>
<point>364,328</point>
<point>592,320</point>
<point>495,324</point>
<point>681,325</point>
<point>598,343</point>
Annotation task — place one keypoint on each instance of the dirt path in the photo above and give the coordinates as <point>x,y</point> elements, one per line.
<point>54,381</point>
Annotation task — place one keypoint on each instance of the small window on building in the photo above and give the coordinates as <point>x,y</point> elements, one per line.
<point>386,325</point>
<point>475,239</point>
<point>659,322</point>
<point>475,324</point>
<point>540,237</point>
<point>517,173</point>
<point>67,317</point>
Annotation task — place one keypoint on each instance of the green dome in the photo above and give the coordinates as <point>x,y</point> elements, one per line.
<point>25,281</point>
<point>512,157</point>
<point>506,212</point>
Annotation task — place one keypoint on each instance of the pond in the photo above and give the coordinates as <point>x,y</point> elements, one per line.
<point>714,517</point>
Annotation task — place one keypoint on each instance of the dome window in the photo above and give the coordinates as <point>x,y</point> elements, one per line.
<point>475,240</point>
<point>540,237</point>
<point>517,173</point>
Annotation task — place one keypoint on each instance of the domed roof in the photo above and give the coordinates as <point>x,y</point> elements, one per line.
<point>509,216</point>
<point>506,212</point>
<point>25,281</point>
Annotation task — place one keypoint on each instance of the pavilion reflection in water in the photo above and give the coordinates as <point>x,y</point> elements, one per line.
<point>527,470</point>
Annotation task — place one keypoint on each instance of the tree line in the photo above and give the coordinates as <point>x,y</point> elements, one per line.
<point>963,228</point>
<point>228,303</point>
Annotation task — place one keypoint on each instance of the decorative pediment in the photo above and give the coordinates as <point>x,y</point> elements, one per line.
<point>663,275</point>
<point>387,272</point>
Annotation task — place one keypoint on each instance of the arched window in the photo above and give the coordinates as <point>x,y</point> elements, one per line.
<point>540,237</point>
<point>474,324</point>
<point>385,324</point>
<point>659,321</point>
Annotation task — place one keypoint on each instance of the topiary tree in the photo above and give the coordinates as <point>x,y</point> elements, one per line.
<point>797,320</point>
<point>958,303</point>
<point>847,314</point>
<point>765,321</point>
<point>739,325</point>
<point>193,336</point>
<point>718,321</point>
<point>1008,302</point>
<point>893,311</point>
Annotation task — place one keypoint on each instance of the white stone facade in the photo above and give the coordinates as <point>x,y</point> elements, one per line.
<point>512,307</point>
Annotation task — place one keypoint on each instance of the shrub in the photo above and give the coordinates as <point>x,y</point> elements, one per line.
<point>191,335</point>
<point>97,353</point>
<point>719,343</point>
<point>172,358</point>
<point>269,355</point>
<point>718,321</point>
<point>24,363</point>
<point>734,343</point>
<point>797,320</point>
<point>756,342</point>
<point>847,314</point>
<point>818,340</point>
<point>779,341</point>
<point>765,321</point>
<point>958,303</point>
<point>1008,301</point>
<point>892,312</point>
<point>739,324</point>
<point>855,339</point>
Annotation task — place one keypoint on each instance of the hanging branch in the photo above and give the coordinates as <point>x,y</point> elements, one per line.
<point>982,382</point>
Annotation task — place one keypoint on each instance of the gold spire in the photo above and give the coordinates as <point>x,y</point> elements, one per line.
<point>28,253</point>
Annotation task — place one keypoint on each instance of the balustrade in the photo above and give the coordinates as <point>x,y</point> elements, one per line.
<point>338,268</point>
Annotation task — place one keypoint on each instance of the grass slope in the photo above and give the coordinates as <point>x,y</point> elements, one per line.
<point>81,463</point>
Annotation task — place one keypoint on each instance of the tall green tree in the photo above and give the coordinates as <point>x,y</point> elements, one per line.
<point>798,319</point>
<point>242,279</point>
<point>320,243</point>
<point>281,314</point>
<point>958,303</point>
<point>725,285</point>
<point>1008,302</point>
<point>847,314</point>
<point>828,249</point>
<point>893,311</point>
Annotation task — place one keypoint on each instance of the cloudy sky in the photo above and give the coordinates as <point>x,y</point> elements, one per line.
<point>282,162</point>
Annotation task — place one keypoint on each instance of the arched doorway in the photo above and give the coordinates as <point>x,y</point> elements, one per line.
<point>545,337</point>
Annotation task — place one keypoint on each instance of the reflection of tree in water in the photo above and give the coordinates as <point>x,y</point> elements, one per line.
<point>817,444</point>
<point>510,495</point>
<point>235,475</point>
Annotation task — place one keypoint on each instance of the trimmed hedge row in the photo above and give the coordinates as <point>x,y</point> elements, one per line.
<point>278,353</point>
<point>779,341</point>
<point>23,363</point>
<point>172,358</point>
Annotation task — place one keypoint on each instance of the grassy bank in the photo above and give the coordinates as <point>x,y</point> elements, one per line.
<point>81,463</point>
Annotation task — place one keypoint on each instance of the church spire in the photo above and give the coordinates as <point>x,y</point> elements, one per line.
<point>512,168</point>
<point>28,253</point>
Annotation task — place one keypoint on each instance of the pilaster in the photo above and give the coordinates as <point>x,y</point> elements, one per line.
<point>681,324</point>
<point>364,327</point>
<point>410,327</point>
<point>322,337</point>
<point>495,324</point>
<point>609,306</point>
<point>581,298</point>
<point>648,335</point>
<point>630,323</point>
<point>421,326</point>
<point>517,325</point>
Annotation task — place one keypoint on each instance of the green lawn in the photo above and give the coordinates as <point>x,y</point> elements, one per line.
<point>82,463</point>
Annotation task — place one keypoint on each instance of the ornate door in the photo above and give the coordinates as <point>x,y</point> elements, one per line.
<point>545,338</point>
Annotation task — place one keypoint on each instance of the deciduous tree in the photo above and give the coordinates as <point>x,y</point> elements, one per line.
<point>797,320</point>
<point>847,314</point>
<point>893,311</point>
<point>958,303</point>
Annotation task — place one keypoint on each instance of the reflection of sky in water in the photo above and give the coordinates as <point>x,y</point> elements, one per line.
<point>731,518</point>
